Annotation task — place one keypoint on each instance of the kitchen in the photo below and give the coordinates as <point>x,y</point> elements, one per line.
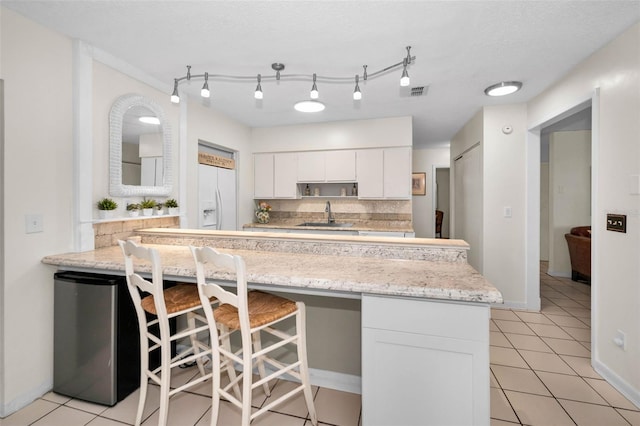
<point>70,194</point>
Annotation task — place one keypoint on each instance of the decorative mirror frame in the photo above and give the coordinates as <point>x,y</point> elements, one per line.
<point>116,116</point>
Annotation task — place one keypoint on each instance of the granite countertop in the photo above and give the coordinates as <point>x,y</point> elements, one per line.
<point>396,277</point>
<point>358,225</point>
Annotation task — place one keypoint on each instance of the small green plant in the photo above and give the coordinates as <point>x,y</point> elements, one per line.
<point>107,204</point>
<point>159,206</point>
<point>133,207</point>
<point>171,203</point>
<point>147,204</point>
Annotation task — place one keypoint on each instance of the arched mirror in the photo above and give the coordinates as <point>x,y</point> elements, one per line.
<point>140,148</point>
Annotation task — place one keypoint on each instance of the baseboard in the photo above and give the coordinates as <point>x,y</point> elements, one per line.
<point>25,399</point>
<point>618,382</point>
<point>338,381</point>
<point>559,274</point>
<point>509,304</point>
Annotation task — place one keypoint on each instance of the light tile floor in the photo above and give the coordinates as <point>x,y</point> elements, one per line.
<point>540,375</point>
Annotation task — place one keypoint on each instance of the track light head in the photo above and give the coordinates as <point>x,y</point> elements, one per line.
<point>205,93</point>
<point>175,98</point>
<point>314,89</point>
<point>258,93</point>
<point>357,95</point>
<point>404,80</point>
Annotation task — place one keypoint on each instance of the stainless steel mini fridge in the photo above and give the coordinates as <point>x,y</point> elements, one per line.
<point>96,342</point>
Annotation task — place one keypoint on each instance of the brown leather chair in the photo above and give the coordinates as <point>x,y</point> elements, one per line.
<point>439,217</point>
<point>579,242</point>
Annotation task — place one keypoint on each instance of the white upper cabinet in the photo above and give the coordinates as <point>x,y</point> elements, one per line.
<point>397,173</point>
<point>370,180</point>
<point>274,175</point>
<point>284,181</point>
<point>340,166</point>
<point>327,166</point>
<point>384,173</point>
<point>311,166</point>
<point>263,175</point>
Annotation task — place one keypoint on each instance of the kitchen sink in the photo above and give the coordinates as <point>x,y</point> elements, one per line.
<point>327,224</point>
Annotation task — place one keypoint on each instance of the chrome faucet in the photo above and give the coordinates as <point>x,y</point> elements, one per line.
<point>327,209</point>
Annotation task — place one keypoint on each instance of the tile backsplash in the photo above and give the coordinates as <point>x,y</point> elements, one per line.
<point>108,233</point>
<point>347,209</point>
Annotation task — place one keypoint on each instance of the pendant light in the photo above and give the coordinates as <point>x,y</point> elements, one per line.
<point>314,89</point>
<point>258,92</point>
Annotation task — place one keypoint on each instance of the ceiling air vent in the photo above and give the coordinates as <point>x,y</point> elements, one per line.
<point>418,91</point>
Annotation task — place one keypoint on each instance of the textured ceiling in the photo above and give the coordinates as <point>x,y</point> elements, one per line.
<point>461,47</point>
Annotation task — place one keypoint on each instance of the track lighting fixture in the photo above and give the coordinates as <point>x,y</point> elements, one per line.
<point>205,89</point>
<point>357,95</point>
<point>314,89</point>
<point>258,92</point>
<point>312,105</point>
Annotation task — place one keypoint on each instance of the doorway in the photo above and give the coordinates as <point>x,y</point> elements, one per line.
<point>441,201</point>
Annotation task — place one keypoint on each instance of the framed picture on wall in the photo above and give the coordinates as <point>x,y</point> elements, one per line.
<point>418,184</point>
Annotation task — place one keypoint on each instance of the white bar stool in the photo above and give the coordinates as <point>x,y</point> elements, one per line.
<point>249,313</point>
<point>182,299</point>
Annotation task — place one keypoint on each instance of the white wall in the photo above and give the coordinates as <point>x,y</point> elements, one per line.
<point>383,132</point>
<point>424,160</point>
<point>504,187</point>
<point>569,192</point>
<point>616,158</point>
<point>36,67</point>
<point>108,85</point>
<point>544,211</point>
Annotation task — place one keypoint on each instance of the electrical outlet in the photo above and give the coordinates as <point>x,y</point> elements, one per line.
<point>507,212</point>
<point>33,223</point>
<point>620,340</point>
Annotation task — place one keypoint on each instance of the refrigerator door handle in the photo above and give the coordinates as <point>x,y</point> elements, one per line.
<point>219,210</point>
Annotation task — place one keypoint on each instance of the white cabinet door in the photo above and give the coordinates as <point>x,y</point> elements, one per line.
<point>340,166</point>
<point>369,164</point>
<point>311,166</point>
<point>263,175</point>
<point>424,362</point>
<point>284,181</point>
<point>397,173</point>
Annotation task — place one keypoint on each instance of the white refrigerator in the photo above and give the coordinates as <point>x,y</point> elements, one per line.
<point>216,198</point>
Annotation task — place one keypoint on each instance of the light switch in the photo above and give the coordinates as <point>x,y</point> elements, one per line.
<point>507,212</point>
<point>33,223</point>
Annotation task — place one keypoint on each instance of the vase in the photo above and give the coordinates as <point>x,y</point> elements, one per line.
<point>174,211</point>
<point>134,213</point>
<point>263,216</point>
<point>105,214</point>
<point>147,212</point>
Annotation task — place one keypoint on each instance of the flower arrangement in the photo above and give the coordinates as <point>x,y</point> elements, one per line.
<point>263,212</point>
<point>264,207</point>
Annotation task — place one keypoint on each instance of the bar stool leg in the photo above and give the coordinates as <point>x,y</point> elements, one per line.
<point>257,347</point>
<point>191,321</point>
<point>304,368</point>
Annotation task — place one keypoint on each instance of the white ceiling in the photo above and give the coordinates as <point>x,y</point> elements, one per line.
<point>461,47</point>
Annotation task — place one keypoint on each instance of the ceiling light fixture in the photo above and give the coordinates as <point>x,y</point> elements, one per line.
<point>175,98</point>
<point>205,93</point>
<point>315,78</point>
<point>314,89</point>
<point>258,92</point>
<point>357,95</point>
<point>309,106</point>
<point>503,88</point>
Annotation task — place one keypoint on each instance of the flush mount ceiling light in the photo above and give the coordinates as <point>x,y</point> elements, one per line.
<point>311,106</point>
<point>503,88</point>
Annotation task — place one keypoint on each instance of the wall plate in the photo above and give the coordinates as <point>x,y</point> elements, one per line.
<point>617,222</point>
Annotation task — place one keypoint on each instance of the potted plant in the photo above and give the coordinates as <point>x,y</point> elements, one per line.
<point>133,209</point>
<point>172,205</point>
<point>159,209</point>
<point>106,206</point>
<point>147,207</point>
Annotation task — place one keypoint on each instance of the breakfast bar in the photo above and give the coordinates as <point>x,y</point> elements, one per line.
<point>424,310</point>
